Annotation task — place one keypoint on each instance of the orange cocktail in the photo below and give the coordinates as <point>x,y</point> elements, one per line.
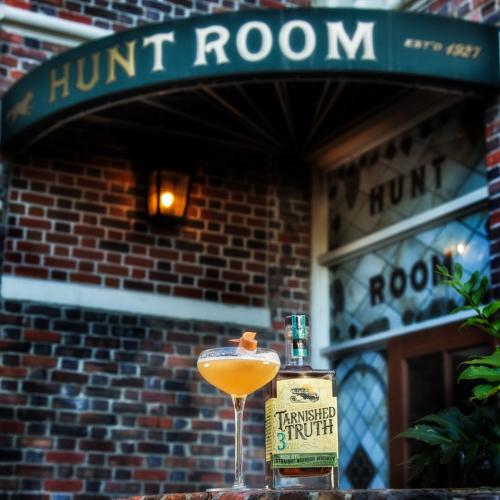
<point>238,376</point>
<point>238,371</point>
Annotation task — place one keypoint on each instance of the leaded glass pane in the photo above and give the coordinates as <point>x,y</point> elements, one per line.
<point>395,286</point>
<point>433,163</point>
<point>362,386</point>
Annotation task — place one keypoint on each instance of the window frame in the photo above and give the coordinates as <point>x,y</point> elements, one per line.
<point>393,122</point>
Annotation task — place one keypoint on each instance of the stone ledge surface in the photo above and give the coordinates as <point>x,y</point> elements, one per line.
<point>421,494</point>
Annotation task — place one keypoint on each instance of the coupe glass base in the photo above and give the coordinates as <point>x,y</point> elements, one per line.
<point>228,490</point>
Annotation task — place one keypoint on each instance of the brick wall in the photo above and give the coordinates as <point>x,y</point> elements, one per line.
<point>97,405</point>
<point>492,134</point>
<point>486,11</point>
<point>19,55</point>
<point>119,15</point>
<point>245,239</point>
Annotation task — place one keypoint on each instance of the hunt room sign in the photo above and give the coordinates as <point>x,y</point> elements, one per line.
<point>248,45</point>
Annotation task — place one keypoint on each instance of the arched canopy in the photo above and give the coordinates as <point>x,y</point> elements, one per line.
<point>202,54</point>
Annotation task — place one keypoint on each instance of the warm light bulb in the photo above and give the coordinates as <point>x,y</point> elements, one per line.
<point>461,248</point>
<point>167,199</point>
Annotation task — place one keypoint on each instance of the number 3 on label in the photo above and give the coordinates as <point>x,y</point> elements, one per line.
<point>281,441</point>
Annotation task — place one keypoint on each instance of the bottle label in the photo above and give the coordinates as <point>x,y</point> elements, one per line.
<point>299,349</point>
<point>301,424</point>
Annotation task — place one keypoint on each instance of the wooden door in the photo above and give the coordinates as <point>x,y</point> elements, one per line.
<point>422,380</point>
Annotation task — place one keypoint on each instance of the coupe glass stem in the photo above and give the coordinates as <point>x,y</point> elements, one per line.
<point>238,405</point>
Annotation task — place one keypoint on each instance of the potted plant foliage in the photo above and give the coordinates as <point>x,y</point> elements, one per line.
<point>469,440</point>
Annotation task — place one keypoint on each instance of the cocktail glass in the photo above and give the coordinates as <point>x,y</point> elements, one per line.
<point>238,372</point>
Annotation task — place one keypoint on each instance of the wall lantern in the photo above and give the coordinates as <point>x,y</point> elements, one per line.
<point>168,194</point>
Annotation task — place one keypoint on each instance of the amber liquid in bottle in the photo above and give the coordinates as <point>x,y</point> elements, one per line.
<point>298,382</point>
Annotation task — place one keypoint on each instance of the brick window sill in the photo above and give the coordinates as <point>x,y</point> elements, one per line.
<point>431,494</point>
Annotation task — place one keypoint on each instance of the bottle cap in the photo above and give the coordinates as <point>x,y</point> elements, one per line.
<point>247,341</point>
<point>297,325</point>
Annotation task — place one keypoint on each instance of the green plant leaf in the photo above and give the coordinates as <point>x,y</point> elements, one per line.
<point>491,360</point>
<point>461,308</point>
<point>491,308</point>
<point>422,467</point>
<point>477,322</point>
<point>480,292</point>
<point>473,437</point>
<point>448,452</point>
<point>458,270</point>
<point>483,372</point>
<point>484,391</point>
<point>425,433</point>
<point>471,283</point>
<point>449,421</point>
<point>443,270</point>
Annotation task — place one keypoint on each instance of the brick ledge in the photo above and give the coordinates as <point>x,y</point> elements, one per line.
<point>263,494</point>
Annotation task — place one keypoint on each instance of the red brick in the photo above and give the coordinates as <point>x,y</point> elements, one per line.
<point>60,263</point>
<point>34,470</point>
<point>41,174</point>
<point>65,457</point>
<point>64,215</point>
<point>69,377</point>
<point>83,230</point>
<point>174,361</point>
<point>90,183</point>
<point>231,276</point>
<point>159,422</point>
<point>85,278</point>
<point>157,397</point>
<point>63,485</point>
<point>41,336</point>
<point>212,284</point>
<point>100,367</point>
<point>12,37</point>
<point>186,269</point>
<point>13,399</point>
<point>64,239</point>
<point>10,427</point>
<point>12,371</point>
<point>232,298</point>
<point>158,253</point>
<point>136,261</point>
<point>113,270</point>
<point>97,445</point>
<point>35,223</point>
<point>125,461</point>
<point>31,272</point>
<point>81,253</point>
<point>214,425</point>
<point>39,361</point>
<point>494,218</point>
<point>8,61</point>
<point>37,199</point>
<point>493,158</point>
<point>214,238</point>
<point>150,475</point>
<point>213,215</point>
<point>36,442</point>
<point>189,293</point>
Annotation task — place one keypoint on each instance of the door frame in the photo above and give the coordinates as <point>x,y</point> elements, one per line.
<point>443,339</point>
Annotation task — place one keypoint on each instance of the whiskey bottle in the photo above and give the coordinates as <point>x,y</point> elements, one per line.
<point>301,418</point>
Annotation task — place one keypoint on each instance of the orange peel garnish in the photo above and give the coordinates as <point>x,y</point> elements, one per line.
<point>247,341</point>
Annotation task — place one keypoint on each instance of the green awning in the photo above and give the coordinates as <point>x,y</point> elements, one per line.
<point>413,49</point>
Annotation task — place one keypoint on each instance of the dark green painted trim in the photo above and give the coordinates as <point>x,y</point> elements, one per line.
<point>405,45</point>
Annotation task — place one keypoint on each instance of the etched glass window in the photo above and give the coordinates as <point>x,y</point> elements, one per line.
<point>362,385</point>
<point>435,162</point>
<point>396,286</point>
